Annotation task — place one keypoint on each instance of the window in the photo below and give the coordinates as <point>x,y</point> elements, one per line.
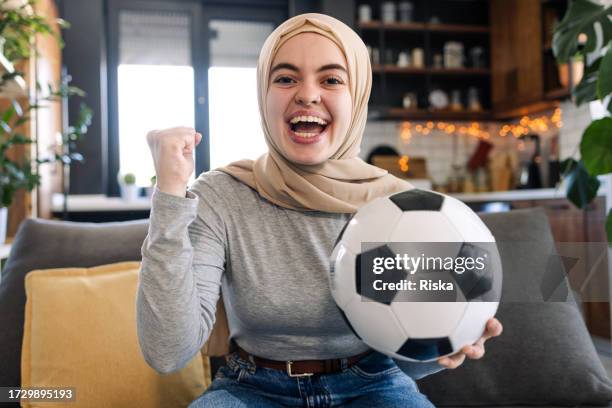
<point>190,63</point>
<point>155,81</point>
<point>235,126</point>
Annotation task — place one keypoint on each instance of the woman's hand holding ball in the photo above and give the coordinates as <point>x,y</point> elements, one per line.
<point>476,351</point>
<point>172,151</point>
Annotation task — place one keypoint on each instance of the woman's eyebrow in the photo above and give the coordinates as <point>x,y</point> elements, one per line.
<point>286,65</point>
<point>332,66</point>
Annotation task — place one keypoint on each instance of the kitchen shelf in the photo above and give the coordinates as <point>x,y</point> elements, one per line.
<point>458,28</point>
<point>393,69</point>
<point>466,23</point>
<point>431,27</point>
<point>436,114</point>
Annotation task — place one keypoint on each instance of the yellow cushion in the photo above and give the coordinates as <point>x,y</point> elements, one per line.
<point>80,331</point>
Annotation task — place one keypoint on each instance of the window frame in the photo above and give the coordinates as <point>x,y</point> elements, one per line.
<point>201,12</point>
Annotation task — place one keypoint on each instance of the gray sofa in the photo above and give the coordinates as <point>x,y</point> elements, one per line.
<point>544,358</point>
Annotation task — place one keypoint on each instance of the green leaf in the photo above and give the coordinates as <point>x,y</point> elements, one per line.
<point>596,147</point>
<point>609,226</point>
<point>581,186</point>
<point>8,114</point>
<point>581,18</point>
<point>586,90</point>
<point>568,165</point>
<point>604,83</point>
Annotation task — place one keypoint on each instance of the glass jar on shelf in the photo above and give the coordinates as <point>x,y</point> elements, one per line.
<point>387,12</point>
<point>453,54</point>
<point>365,13</point>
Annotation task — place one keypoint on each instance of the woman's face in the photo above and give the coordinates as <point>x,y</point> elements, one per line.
<point>309,104</point>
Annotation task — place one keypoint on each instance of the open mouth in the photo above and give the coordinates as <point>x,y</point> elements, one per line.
<point>307,129</point>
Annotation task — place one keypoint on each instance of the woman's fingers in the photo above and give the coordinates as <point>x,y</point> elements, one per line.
<point>475,351</point>
<point>452,361</point>
<point>494,328</point>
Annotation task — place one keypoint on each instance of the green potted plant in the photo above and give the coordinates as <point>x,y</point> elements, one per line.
<point>129,190</point>
<point>586,31</point>
<point>18,27</point>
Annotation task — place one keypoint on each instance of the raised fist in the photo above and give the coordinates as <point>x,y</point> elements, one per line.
<point>172,151</point>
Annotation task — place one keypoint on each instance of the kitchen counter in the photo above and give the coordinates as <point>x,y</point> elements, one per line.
<point>512,195</point>
<point>99,202</point>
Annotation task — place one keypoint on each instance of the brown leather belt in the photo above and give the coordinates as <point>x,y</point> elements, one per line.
<point>304,368</point>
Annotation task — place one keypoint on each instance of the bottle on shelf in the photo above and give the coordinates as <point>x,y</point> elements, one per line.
<point>474,99</point>
<point>456,104</point>
<point>418,57</point>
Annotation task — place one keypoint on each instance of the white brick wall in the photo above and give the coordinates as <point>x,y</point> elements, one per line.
<point>575,121</point>
<point>437,147</point>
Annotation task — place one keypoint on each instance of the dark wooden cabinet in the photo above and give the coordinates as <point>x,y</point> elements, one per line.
<point>517,53</point>
<point>524,76</point>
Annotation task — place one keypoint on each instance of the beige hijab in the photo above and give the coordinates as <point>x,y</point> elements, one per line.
<point>344,182</point>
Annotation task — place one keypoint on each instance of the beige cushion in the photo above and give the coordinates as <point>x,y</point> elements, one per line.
<point>80,331</point>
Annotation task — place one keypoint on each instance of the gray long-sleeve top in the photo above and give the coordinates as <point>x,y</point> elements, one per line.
<point>272,264</point>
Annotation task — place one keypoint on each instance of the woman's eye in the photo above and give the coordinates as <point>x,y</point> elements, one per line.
<point>283,80</point>
<point>333,81</point>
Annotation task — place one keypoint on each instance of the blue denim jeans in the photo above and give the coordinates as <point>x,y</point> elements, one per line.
<point>374,382</point>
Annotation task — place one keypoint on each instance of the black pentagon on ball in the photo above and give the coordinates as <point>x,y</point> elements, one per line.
<point>425,349</point>
<point>364,277</point>
<point>475,283</point>
<point>346,320</point>
<point>418,200</point>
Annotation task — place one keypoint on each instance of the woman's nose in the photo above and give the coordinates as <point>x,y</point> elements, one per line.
<point>307,94</point>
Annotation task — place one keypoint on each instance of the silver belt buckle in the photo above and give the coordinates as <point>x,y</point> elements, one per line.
<point>289,363</point>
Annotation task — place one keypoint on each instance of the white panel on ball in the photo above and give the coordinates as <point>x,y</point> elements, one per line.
<point>429,319</point>
<point>469,225</point>
<point>342,278</point>
<point>373,223</point>
<point>376,324</point>
<point>424,226</point>
<point>472,326</point>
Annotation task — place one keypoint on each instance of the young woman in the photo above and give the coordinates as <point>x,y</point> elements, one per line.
<point>263,231</point>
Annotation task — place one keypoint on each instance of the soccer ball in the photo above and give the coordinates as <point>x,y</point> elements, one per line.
<point>425,238</point>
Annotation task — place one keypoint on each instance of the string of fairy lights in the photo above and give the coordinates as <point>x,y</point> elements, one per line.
<point>524,126</point>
